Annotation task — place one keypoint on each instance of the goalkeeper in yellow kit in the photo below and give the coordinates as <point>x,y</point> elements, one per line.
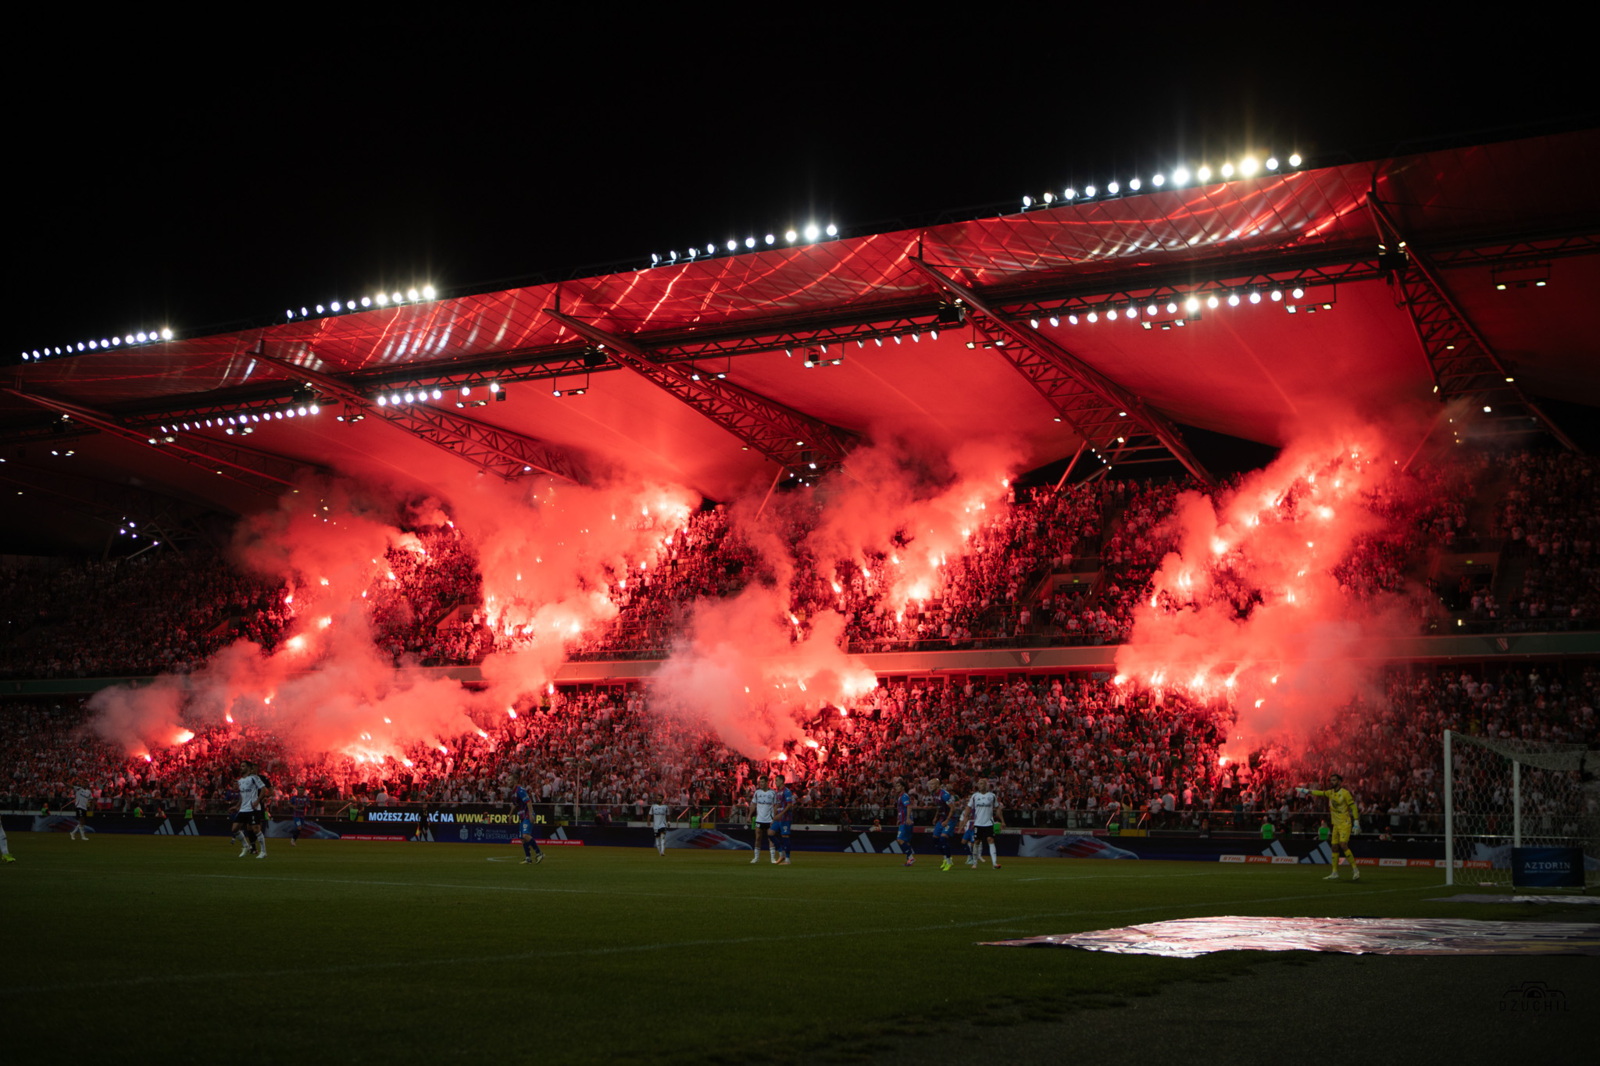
<point>1342,814</point>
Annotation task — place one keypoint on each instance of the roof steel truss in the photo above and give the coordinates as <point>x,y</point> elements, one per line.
<point>802,445</point>
<point>491,449</point>
<point>1114,421</point>
<point>1463,364</point>
<point>262,471</point>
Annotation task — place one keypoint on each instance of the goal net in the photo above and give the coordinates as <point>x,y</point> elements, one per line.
<point>1515,810</point>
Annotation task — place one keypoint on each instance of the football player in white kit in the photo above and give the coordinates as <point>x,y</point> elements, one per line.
<point>764,799</point>
<point>984,809</point>
<point>5,847</point>
<point>82,800</point>
<point>252,804</point>
<point>659,812</point>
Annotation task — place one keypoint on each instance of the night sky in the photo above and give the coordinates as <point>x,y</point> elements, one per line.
<point>209,182</point>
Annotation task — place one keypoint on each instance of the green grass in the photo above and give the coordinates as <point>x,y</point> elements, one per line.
<point>175,950</point>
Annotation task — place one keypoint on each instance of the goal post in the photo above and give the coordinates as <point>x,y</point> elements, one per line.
<point>1520,813</point>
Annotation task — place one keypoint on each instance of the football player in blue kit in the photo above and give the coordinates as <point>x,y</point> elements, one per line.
<point>902,818</point>
<point>522,804</point>
<point>297,806</point>
<point>944,819</point>
<point>782,819</point>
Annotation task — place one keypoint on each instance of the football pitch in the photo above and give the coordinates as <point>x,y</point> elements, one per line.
<point>176,950</point>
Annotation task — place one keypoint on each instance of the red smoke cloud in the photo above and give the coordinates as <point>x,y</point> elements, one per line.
<point>326,687</point>
<point>550,557</point>
<point>747,664</point>
<point>739,670</point>
<point>932,503</point>
<point>552,560</point>
<point>1249,609</point>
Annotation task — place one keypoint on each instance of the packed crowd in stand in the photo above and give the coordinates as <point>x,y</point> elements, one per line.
<point>162,612</point>
<point>1550,517</point>
<point>1069,750</point>
<point>1064,566</point>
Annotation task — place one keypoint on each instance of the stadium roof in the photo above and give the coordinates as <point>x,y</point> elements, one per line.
<point>1424,276</point>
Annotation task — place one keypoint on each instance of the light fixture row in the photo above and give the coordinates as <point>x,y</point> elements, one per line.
<point>1292,299</point>
<point>127,340</point>
<point>812,233</point>
<point>1248,167</point>
<point>241,422</point>
<point>154,336</point>
<point>366,303</point>
<point>399,398</point>
<point>821,357</point>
